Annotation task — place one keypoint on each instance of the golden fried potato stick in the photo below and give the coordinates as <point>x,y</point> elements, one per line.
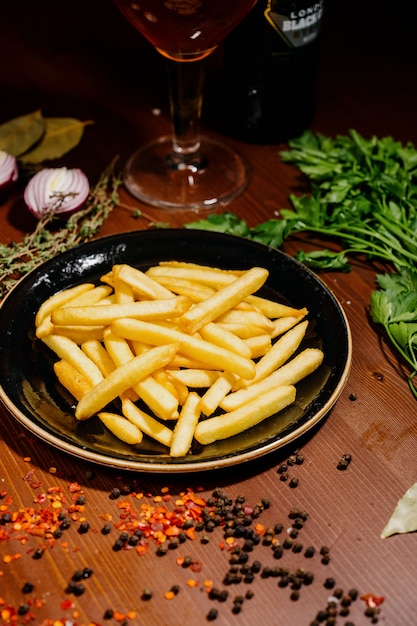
<point>141,283</point>
<point>121,427</point>
<point>195,378</point>
<point>226,298</point>
<point>98,354</point>
<point>289,374</point>
<point>247,318</point>
<point>284,324</point>
<point>79,334</point>
<point>203,351</point>
<point>143,309</point>
<point>221,337</point>
<point>122,379</point>
<point>216,392</point>
<point>66,349</point>
<point>280,351</point>
<point>273,309</point>
<point>258,345</point>
<point>146,423</point>
<point>158,398</point>
<point>185,426</point>
<point>71,379</point>
<point>235,422</point>
<point>210,276</point>
<point>181,286</point>
<point>59,299</point>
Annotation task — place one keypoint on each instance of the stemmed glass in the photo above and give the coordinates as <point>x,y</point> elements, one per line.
<point>185,171</point>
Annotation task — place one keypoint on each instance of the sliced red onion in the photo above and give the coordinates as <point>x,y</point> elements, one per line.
<point>60,190</point>
<point>8,170</point>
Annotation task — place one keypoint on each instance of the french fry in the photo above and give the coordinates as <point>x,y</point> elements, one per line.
<point>71,379</point>
<point>212,398</point>
<point>90,297</point>
<point>198,349</point>
<point>242,330</point>
<point>99,355</point>
<point>221,337</point>
<point>66,349</point>
<point>284,324</point>
<point>79,334</point>
<point>185,426</point>
<point>181,286</point>
<point>205,276</point>
<point>197,266</point>
<point>291,373</point>
<point>247,318</point>
<point>235,422</point>
<point>280,352</point>
<point>195,378</point>
<point>142,283</point>
<point>146,423</point>
<point>258,345</point>
<point>105,315</point>
<point>59,299</point>
<point>273,309</point>
<point>121,427</point>
<point>223,300</point>
<point>122,291</point>
<point>122,379</point>
<point>158,398</point>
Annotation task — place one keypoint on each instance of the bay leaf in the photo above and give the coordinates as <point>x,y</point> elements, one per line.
<point>404,517</point>
<point>21,133</point>
<point>62,134</point>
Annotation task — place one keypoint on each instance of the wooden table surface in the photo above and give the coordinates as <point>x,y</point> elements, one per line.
<point>83,60</point>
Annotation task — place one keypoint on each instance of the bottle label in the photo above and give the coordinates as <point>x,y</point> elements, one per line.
<point>298,23</point>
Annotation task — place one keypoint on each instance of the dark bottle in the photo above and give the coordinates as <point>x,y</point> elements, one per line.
<point>270,68</point>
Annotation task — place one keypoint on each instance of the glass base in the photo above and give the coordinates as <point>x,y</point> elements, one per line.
<point>151,176</point>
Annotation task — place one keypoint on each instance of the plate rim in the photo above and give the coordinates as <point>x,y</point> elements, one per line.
<point>227,460</point>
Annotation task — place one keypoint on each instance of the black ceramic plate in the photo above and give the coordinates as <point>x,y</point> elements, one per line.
<point>30,392</point>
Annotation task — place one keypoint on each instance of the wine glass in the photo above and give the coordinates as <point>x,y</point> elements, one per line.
<point>185,171</point>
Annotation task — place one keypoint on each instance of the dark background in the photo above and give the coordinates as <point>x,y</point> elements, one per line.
<point>62,57</point>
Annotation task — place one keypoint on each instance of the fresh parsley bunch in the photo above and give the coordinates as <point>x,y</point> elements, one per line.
<point>364,194</point>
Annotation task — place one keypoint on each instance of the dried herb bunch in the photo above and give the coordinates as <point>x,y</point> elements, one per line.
<point>46,241</point>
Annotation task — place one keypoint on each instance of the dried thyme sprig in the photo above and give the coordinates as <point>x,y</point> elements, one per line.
<point>45,242</point>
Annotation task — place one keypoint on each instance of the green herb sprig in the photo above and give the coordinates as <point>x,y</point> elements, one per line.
<point>53,235</point>
<point>364,195</point>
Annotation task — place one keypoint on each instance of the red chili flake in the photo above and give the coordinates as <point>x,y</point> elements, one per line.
<point>372,600</point>
<point>67,604</point>
<point>36,484</point>
<point>74,487</point>
<point>196,566</point>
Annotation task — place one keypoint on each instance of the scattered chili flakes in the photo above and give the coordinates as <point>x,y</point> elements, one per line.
<point>8,558</point>
<point>372,600</point>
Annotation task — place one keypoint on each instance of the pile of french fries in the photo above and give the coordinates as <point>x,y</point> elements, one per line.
<point>186,351</point>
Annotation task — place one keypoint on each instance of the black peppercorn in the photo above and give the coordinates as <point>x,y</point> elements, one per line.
<point>212,615</point>
<point>146,594</point>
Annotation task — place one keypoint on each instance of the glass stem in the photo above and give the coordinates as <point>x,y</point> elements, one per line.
<point>186,81</point>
